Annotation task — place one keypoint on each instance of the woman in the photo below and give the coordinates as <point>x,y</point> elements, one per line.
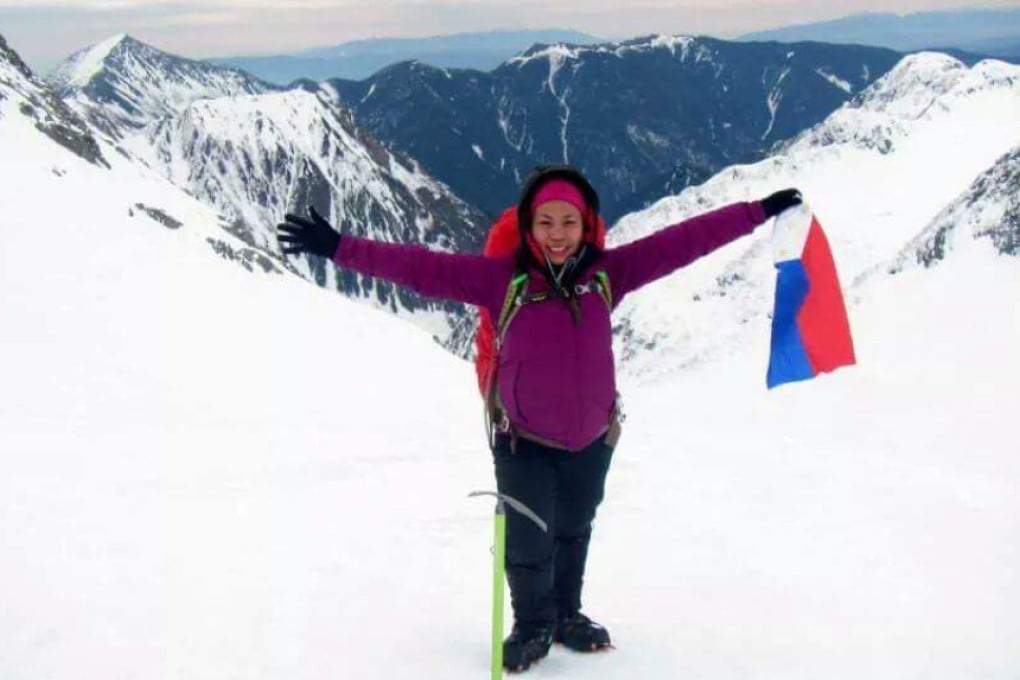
<point>554,395</point>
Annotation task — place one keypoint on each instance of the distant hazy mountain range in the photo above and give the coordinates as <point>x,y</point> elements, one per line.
<point>991,32</point>
<point>361,58</point>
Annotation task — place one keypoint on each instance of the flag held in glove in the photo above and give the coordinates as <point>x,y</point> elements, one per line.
<point>810,330</point>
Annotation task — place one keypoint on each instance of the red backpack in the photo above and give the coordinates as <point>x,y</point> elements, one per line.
<point>503,239</point>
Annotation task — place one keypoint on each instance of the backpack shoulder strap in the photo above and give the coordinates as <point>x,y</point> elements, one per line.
<point>495,417</point>
<point>604,289</point>
<point>517,288</point>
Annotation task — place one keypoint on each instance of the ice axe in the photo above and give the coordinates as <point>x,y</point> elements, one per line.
<point>498,564</point>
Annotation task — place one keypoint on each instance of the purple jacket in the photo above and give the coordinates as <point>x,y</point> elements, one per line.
<point>556,378</point>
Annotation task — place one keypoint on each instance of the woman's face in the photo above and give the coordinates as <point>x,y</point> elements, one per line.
<point>558,230</point>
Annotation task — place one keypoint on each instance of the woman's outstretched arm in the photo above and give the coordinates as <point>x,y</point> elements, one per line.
<point>473,279</point>
<point>657,255</point>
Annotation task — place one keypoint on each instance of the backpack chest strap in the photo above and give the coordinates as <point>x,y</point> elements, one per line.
<point>518,296</point>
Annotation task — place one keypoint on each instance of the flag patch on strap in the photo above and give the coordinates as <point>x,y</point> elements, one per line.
<point>810,328</point>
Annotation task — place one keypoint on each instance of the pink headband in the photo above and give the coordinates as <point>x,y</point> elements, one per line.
<point>559,190</point>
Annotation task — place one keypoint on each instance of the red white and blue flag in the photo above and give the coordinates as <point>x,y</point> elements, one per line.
<point>810,329</point>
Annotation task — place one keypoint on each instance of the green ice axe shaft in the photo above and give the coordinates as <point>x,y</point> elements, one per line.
<point>498,557</point>
<point>499,561</point>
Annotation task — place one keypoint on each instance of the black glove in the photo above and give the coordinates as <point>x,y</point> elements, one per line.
<point>780,201</point>
<point>299,235</point>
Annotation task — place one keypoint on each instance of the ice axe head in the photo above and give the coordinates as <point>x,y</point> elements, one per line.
<point>502,499</point>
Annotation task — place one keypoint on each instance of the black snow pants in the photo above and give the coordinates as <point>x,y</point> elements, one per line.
<point>545,571</point>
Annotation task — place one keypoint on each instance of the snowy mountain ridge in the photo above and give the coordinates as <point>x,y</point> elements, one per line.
<point>78,70</point>
<point>132,84</point>
<point>31,116</point>
<point>256,152</point>
<point>20,87</point>
<point>913,85</point>
<point>258,157</point>
<point>988,209</point>
<point>876,174</point>
<point>924,85</point>
<point>689,46</point>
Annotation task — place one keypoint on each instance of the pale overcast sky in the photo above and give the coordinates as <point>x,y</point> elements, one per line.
<point>45,31</point>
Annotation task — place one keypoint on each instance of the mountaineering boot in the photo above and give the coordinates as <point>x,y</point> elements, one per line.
<point>581,634</point>
<point>526,645</point>
<point>534,615</point>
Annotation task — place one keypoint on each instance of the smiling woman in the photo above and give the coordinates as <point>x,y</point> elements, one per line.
<point>552,400</point>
